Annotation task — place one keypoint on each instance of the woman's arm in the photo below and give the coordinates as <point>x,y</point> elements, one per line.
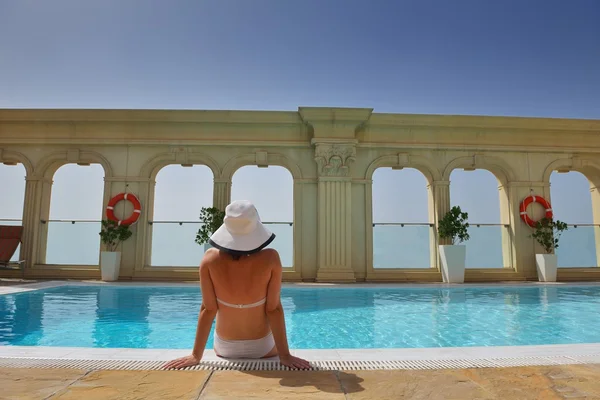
<point>208,311</point>
<point>276,317</point>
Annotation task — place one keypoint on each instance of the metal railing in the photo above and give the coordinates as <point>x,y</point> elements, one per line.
<point>73,241</point>
<point>577,246</point>
<point>402,245</point>
<point>485,247</point>
<point>10,220</point>
<point>173,243</point>
<point>395,248</point>
<point>432,224</point>
<point>199,222</point>
<point>575,226</point>
<point>391,248</point>
<point>71,221</point>
<point>402,224</point>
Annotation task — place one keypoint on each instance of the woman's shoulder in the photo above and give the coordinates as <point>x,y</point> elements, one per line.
<point>268,256</point>
<point>270,253</point>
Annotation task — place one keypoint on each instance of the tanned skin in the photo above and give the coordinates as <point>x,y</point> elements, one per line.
<point>244,281</point>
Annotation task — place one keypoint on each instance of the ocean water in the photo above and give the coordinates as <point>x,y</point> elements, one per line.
<point>394,246</point>
<point>166,317</point>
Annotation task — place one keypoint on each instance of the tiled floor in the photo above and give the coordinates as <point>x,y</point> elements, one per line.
<point>520,383</point>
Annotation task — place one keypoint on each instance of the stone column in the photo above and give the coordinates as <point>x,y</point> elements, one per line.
<point>439,205</point>
<point>31,221</point>
<point>221,194</point>
<point>334,211</point>
<point>595,194</point>
<point>439,201</point>
<point>42,213</point>
<point>143,230</point>
<point>524,247</point>
<point>334,133</point>
<point>130,249</point>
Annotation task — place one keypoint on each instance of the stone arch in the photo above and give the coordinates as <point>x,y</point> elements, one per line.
<point>591,171</point>
<point>406,160</point>
<point>504,174</point>
<point>254,159</point>
<point>45,170</point>
<point>262,158</point>
<point>589,168</point>
<point>153,166</point>
<point>13,156</point>
<point>48,166</point>
<point>422,164</point>
<point>500,168</point>
<point>150,170</point>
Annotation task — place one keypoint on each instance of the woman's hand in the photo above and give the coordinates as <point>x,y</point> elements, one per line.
<point>294,362</point>
<point>183,362</point>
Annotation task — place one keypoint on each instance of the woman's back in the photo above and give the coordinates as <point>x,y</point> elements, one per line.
<point>241,284</point>
<point>238,285</point>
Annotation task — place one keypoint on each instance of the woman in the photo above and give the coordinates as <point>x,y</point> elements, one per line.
<point>241,284</point>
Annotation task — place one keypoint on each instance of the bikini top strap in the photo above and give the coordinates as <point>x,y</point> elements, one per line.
<point>258,303</point>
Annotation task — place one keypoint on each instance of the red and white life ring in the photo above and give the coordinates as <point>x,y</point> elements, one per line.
<point>137,208</point>
<point>534,199</point>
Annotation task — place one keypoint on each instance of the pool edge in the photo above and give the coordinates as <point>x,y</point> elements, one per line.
<point>27,287</point>
<point>340,359</point>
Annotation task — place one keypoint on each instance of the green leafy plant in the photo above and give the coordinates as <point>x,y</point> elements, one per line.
<point>547,233</point>
<point>212,219</point>
<point>454,226</point>
<point>113,234</point>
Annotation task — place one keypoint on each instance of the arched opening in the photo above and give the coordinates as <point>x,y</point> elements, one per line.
<point>76,209</point>
<point>477,193</point>
<point>272,192</point>
<point>12,180</point>
<point>401,222</point>
<point>572,204</point>
<point>180,194</point>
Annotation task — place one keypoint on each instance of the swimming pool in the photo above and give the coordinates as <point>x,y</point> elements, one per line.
<point>316,318</point>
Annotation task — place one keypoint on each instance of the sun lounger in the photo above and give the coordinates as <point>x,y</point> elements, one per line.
<point>10,238</point>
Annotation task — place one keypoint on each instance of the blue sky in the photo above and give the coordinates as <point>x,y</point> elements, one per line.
<point>518,58</point>
<point>510,57</point>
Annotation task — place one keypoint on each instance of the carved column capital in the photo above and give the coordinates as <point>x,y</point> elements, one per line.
<point>436,184</point>
<point>334,159</point>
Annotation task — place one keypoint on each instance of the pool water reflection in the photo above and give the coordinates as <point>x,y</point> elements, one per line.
<point>165,317</point>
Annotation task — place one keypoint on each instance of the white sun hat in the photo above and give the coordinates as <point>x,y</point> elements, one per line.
<point>242,231</point>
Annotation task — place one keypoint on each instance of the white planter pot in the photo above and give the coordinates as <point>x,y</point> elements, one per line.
<point>453,263</point>
<point>546,267</point>
<point>110,263</point>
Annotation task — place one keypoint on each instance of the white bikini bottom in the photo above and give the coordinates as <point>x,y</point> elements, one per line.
<point>256,348</point>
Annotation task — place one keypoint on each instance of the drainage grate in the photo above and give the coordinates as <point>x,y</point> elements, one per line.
<point>263,365</point>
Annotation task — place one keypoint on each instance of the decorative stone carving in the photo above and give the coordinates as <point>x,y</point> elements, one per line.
<point>73,155</point>
<point>181,155</point>
<point>403,159</point>
<point>334,159</point>
<point>262,158</point>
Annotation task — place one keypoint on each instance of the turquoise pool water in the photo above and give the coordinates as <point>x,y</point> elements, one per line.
<point>165,317</point>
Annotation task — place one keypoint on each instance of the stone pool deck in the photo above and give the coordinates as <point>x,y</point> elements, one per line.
<point>519,383</point>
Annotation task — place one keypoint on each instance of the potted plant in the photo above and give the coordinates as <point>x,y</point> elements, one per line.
<point>547,233</point>
<point>212,219</point>
<point>112,235</point>
<point>453,228</point>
